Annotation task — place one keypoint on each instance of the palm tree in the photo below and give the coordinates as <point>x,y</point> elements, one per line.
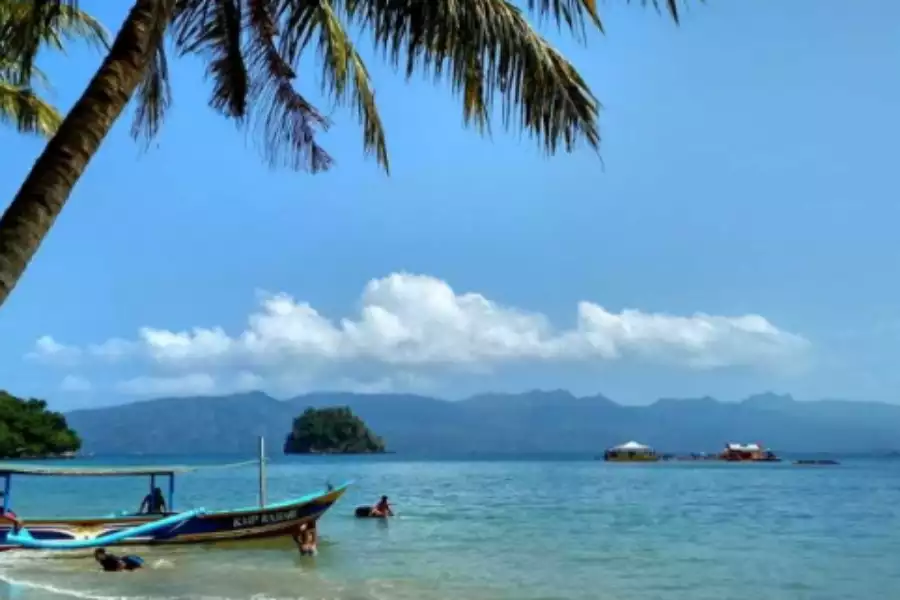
<point>486,49</point>
<point>20,103</point>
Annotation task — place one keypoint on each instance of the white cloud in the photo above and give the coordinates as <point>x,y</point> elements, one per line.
<point>194,383</point>
<point>47,349</point>
<point>415,322</point>
<point>112,350</point>
<point>75,383</point>
<point>400,382</point>
<point>248,381</point>
<point>188,384</point>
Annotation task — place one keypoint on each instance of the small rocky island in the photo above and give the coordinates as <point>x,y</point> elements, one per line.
<point>29,430</point>
<point>333,430</point>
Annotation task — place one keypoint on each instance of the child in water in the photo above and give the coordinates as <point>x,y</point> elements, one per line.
<point>306,539</point>
<point>111,562</point>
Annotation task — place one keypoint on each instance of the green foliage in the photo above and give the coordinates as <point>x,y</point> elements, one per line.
<point>331,430</point>
<point>496,63</point>
<point>28,429</point>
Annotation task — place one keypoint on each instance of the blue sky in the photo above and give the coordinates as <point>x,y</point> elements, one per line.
<point>747,170</point>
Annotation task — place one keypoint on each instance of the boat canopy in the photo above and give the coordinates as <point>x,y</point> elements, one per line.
<point>631,446</point>
<point>7,470</point>
<point>133,471</point>
<point>744,448</point>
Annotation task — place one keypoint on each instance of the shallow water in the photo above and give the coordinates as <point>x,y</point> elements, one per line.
<point>508,530</point>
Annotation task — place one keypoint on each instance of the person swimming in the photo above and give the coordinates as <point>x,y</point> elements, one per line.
<point>306,539</point>
<point>111,562</point>
<point>153,503</point>
<point>382,509</point>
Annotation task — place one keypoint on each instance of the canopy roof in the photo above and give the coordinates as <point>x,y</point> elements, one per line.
<point>744,448</point>
<point>632,445</point>
<point>86,471</point>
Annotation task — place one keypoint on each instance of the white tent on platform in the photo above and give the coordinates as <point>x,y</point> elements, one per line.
<point>632,446</point>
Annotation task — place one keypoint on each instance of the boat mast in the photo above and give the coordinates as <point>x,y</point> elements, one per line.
<point>262,471</point>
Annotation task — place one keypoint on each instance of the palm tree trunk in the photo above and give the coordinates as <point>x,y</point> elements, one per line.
<point>53,176</point>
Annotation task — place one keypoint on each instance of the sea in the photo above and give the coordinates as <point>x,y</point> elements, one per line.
<point>544,528</point>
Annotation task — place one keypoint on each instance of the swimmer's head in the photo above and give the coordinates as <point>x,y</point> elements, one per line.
<point>99,553</point>
<point>384,498</point>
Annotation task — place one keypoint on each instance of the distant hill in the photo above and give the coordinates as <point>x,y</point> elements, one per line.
<point>531,422</point>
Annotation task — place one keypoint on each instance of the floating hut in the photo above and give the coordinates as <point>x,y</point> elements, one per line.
<point>748,453</point>
<point>631,452</point>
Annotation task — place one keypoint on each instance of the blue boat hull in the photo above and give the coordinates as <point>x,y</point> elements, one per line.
<point>273,520</point>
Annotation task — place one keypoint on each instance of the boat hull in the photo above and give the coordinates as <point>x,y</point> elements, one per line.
<point>273,520</point>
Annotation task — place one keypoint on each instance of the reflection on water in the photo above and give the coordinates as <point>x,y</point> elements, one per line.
<point>537,530</point>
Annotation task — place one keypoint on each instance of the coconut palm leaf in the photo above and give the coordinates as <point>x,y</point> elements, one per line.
<point>21,38</point>
<point>24,110</point>
<point>27,26</point>
<point>486,49</point>
<point>154,93</point>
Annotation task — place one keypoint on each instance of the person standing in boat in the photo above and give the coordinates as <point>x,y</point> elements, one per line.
<point>153,503</point>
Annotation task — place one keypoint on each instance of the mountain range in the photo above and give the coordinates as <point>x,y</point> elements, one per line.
<point>527,423</point>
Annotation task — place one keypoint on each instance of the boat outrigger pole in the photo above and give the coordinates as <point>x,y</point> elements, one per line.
<point>23,537</point>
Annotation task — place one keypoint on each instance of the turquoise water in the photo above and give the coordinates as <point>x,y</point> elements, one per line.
<point>510,530</point>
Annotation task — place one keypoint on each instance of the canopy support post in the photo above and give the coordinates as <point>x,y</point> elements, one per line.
<point>262,471</point>
<point>171,492</point>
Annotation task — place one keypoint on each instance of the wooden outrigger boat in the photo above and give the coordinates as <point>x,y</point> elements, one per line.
<point>187,527</point>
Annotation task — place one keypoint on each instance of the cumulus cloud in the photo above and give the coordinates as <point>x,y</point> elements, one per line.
<point>193,384</point>
<point>416,322</point>
<point>188,384</point>
<point>47,349</point>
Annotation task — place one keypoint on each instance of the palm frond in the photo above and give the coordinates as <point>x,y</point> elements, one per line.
<point>344,74</point>
<point>26,111</point>
<point>286,121</point>
<point>491,55</point>
<point>213,30</point>
<point>154,94</point>
<point>28,25</point>
<point>573,14</point>
<point>672,6</point>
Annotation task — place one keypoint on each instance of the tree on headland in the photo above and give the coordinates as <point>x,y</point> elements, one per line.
<point>487,50</point>
<point>29,430</point>
<point>331,431</point>
<point>21,105</point>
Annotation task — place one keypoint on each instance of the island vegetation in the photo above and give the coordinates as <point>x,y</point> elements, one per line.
<point>334,430</point>
<point>29,430</point>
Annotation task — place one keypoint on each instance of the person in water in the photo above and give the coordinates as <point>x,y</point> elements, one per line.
<point>382,509</point>
<point>153,503</point>
<point>8,514</point>
<point>111,562</point>
<point>306,539</point>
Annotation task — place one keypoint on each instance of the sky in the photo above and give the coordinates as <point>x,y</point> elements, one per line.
<point>739,234</point>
